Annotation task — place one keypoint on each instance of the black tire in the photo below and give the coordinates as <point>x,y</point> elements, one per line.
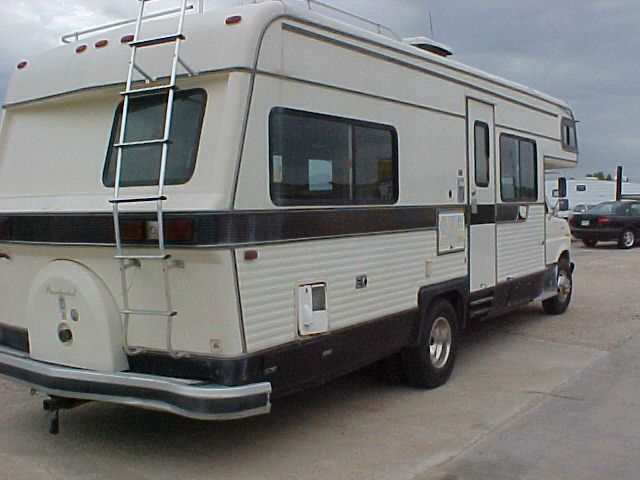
<point>627,239</point>
<point>589,242</point>
<point>558,305</point>
<point>419,368</point>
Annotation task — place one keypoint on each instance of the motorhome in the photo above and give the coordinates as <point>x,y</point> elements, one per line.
<point>203,211</point>
<point>584,193</point>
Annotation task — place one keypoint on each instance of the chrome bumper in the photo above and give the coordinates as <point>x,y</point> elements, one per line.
<point>182,397</point>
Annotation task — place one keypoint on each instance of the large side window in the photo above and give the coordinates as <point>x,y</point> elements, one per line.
<point>518,169</point>
<point>145,121</point>
<point>323,160</point>
<point>482,153</point>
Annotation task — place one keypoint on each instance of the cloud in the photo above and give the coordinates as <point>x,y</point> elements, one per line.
<point>582,51</point>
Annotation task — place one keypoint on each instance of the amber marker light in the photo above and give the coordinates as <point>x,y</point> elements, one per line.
<point>22,65</point>
<point>102,43</point>
<point>127,39</point>
<point>81,49</point>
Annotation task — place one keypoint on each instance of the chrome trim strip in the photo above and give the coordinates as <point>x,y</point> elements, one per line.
<point>120,382</point>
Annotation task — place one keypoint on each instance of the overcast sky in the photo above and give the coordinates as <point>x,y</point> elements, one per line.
<point>582,51</point>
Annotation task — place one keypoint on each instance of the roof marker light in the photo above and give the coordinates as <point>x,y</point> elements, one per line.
<point>102,43</point>
<point>22,65</point>
<point>233,20</point>
<point>127,39</point>
<point>81,48</point>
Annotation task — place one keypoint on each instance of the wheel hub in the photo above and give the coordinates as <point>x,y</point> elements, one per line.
<point>564,286</point>
<point>440,342</point>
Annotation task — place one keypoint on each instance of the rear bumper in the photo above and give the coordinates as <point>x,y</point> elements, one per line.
<point>182,397</point>
<point>600,234</point>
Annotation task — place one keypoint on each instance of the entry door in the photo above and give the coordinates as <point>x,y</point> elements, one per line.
<point>482,194</point>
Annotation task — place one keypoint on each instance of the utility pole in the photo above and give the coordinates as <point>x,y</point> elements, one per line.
<point>619,183</point>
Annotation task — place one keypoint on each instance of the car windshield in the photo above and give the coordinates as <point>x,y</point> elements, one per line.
<point>607,208</point>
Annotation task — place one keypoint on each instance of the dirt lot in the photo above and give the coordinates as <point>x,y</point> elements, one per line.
<point>532,396</point>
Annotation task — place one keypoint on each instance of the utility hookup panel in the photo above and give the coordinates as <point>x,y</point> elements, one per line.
<point>313,315</point>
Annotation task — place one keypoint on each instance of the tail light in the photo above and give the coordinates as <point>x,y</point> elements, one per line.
<point>132,231</point>
<point>5,230</point>
<point>178,231</point>
<point>604,221</point>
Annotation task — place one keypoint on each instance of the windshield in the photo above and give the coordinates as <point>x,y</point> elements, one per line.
<point>608,208</point>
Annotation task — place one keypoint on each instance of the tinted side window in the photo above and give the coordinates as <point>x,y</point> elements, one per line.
<point>518,169</point>
<point>635,209</point>
<point>141,165</point>
<point>323,160</point>
<point>482,153</point>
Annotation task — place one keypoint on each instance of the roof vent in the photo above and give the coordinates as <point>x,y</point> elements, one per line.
<point>429,45</point>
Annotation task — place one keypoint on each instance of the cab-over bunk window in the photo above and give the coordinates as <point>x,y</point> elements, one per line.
<point>325,160</point>
<point>569,136</point>
<point>145,121</point>
<point>518,169</point>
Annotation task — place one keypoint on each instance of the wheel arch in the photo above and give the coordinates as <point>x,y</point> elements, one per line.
<point>456,292</point>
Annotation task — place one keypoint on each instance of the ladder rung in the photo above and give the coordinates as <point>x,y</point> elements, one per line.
<point>158,40</point>
<point>143,257</point>
<point>142,143</point>
<point>149,313</point>
<point>149,90</point>
<point>118,201</point>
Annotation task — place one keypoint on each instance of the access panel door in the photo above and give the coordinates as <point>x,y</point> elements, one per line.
<point>482,194</point>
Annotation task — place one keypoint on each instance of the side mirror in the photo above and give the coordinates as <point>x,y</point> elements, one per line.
<point>563,205</point>
<point>562,187</point>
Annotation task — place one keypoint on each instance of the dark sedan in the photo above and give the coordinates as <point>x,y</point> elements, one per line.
<point>608,221</point>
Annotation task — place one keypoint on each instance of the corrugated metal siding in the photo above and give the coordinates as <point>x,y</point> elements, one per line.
<point>394,265</point>
<point>521,245</point>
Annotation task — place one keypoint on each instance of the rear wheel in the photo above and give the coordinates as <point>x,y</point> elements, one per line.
<point>429,365</point>
<point>559,304</point>
<point>588,242</point>
<point>627,239</point>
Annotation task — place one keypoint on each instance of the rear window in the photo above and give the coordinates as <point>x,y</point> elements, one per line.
<point>141,165</point>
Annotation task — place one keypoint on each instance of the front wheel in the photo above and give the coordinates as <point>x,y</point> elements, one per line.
<point>429,365</point>
<point>559,304</point>
<point>628,239</point>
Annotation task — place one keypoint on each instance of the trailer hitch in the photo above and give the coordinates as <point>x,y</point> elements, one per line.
<point>53,405</point>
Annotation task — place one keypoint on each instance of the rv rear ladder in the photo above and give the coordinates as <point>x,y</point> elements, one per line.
<point>126,258</point>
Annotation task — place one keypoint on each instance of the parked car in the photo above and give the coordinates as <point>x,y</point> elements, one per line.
<point>608,221</point>
<point>582,208</point>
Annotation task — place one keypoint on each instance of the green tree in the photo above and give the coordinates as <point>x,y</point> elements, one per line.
<point>598,175</point>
